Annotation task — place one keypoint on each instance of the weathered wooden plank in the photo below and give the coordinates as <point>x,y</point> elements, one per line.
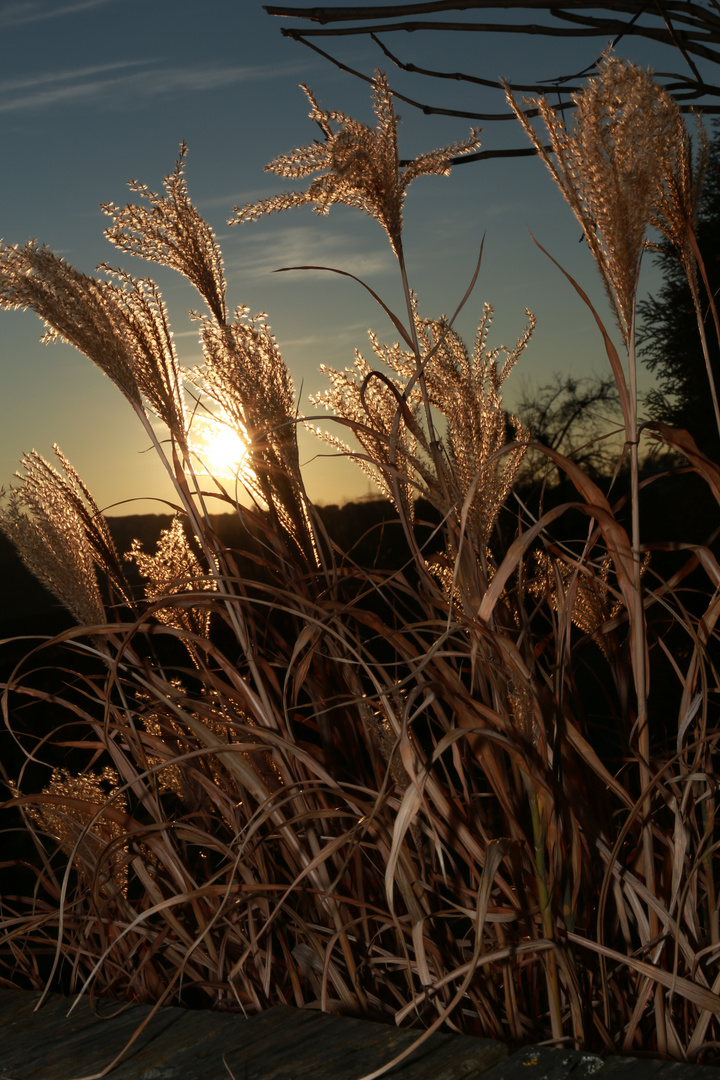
<point>50,1045</point>
<point>201,1058</point>
<point>279,1044</point>
<point>193,1047</point>
<point>182,1045</point>
<point>675,1070</point>
<point>627,1068</point>
<point>343,1048</point>
<point>545,1063</point>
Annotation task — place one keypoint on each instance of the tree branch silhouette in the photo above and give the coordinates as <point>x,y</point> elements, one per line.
<point>690,30</point>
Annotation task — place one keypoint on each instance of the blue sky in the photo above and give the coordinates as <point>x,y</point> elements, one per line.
<point>94,93</point>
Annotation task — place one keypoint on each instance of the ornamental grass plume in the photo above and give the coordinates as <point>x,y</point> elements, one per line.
<point>85,813</point>
<point>169,230</point>
<point>62,537</point>
<point>122,327</point>
<point>243,371</point>
<point>174,571</point>
<point>466,390</point>
<point>244,380</point>
<point>682,177</point>
<point>608,166</point>
<point>358,166</point>
<point>75,308</point>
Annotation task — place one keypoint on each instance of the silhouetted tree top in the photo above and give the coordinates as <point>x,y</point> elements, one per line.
<point>667,332</point>
<point>690,30</point>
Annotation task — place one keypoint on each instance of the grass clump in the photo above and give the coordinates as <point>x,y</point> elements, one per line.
<point>300,779</point>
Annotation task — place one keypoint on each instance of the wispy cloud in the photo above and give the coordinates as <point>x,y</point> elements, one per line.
<point>117,83</point>
<point>351,334</point>
<point>29,11</point>
<point>38,83</point>
<point>261,252</point>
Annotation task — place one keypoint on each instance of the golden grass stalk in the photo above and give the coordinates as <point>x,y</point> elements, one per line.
<point>610,168</point>
<point>360,166</point>
<point>62,537</point>
<point>357,166</point>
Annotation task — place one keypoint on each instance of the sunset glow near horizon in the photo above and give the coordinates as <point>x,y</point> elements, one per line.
<point>96,92</point>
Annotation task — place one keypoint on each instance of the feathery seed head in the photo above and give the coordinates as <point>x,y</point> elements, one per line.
<point>522,706</point>
<point>122,328</point>
<point>168,230</point>
<point>168,738</point>
<point>66,808</point>
<point>170,572</point>
<point>368,401</point>
<point>608,167</point>
<point>465,389</point>
<point>76,308</point>
<point>682,177</point>
<point>245,373</point>
<point>60,535</point>
<point>359,166</point>
<point>152,350</point>
<point>245,376</point>
<point>582,589</point>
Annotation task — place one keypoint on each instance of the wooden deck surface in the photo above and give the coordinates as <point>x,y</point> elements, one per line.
<point>280,1044</point>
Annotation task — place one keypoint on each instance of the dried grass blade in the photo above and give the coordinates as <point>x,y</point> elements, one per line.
<point>345,273</point>
<point>698,995</point>
<point>496,852</point>
<point>411,803</point>
<point>683,441</point>
<point>612,354</point>
<point>703,1022</point>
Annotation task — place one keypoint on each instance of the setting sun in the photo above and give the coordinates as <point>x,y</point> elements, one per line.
<point>219,448</point>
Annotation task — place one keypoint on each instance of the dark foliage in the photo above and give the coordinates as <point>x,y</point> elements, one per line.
<point>668,335</point>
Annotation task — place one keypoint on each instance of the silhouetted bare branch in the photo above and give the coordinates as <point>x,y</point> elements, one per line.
<point>691,30</point>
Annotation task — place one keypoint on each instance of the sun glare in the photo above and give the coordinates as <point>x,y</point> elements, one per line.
<point>219,447</point>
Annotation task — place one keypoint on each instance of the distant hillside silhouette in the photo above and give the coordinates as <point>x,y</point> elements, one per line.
<point>367,532</point>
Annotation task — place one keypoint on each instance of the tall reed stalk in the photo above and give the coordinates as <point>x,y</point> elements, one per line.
<point>617,169</point>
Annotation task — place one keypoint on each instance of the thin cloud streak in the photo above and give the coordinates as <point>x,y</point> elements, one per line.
<point>9,86</point>
<point>80,86</point>
<point>353,335</point>
<point>300,245</point>
<point>30,11</point>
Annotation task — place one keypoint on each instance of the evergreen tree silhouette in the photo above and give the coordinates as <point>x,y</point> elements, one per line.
<point>668,332</point>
